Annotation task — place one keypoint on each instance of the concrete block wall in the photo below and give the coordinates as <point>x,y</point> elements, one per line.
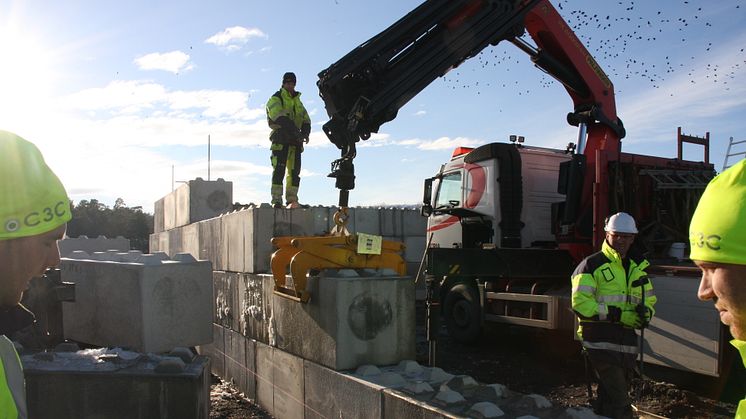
<point>240,241</point>
<point>193,201</point>
<point>113,384</point>
<point>288,386</point>
<point>143,302</point>
<point>89,245</point>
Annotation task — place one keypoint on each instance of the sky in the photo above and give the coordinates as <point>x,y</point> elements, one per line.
<point>121,97</point>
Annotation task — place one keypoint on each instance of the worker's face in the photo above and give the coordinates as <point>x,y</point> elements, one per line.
<point>725,285</point>
<point>620,242</point>
<point>24,258</point>
<point>289,86</point>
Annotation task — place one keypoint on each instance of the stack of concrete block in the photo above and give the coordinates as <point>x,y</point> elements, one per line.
<point>99,244</point>
<point>193,201</point>
<point>144,302</point>
<point>240,241</point>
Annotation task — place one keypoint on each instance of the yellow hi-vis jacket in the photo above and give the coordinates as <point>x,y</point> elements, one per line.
<point>298,124</point>
<point>601,281</point>
<point>12,384</point>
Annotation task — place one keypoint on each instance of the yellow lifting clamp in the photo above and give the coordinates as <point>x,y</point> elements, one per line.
<point>340,251</point>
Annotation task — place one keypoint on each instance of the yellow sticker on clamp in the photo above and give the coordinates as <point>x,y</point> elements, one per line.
<point>369,244</point>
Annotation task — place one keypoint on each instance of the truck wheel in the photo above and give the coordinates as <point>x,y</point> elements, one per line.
<point>462,313</point>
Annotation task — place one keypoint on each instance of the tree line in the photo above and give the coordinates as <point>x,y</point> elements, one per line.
<point>93,219</point>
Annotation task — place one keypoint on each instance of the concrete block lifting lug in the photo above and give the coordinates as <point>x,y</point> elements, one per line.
<point>341,251</point>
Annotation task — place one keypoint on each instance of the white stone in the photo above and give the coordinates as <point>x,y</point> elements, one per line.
<point>410,368</point>
<point>485,410</point>
<point>390,379</point>
<point>449,397</point>
<point>367,370</point>
<point>149,308</point>
<point>541,401</point>
<point>436,375</point>
<point>418,387</point>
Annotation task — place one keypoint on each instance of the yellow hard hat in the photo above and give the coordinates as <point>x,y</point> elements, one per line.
<point>32,198</point>
<point>717,232</point>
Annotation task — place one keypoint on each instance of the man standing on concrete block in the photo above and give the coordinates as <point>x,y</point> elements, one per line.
<point>717,235</point>
<point>34,211</point>
<point>291,127</point>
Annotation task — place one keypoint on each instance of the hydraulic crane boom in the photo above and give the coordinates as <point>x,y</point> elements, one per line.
<point>368,86</point>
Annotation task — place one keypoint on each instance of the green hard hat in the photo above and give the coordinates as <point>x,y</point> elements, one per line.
<point>32,198</point>
<point>717,232</point>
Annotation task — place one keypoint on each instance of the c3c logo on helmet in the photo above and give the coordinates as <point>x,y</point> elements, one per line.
<point>712,241</point>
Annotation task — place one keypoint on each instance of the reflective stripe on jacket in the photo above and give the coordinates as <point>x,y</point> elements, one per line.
<point>600,281</point>
<point>12,385</point>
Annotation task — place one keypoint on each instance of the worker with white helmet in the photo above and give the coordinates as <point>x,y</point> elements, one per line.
<point>717,235</point>
<point>34,211</point>
<point>608,289</point>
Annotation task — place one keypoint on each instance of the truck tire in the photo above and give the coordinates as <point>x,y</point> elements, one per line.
<point>463,313</point>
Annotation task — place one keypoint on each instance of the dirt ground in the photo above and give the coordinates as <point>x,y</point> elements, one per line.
<point>528,362</point>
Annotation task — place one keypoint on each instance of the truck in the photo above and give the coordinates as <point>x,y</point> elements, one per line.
<point>508,222</point>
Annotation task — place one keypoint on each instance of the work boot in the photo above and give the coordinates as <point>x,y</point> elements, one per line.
<point>296,204</point>
<point>277,205</point>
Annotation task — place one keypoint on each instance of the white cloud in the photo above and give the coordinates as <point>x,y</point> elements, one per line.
<point>442,143</point>
<point>232,38</point>
<point>132,97</point>
<point>174,62</point>
<point>420,113</point>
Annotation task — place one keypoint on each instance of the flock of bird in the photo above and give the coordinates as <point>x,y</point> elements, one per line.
<point>647,43</point>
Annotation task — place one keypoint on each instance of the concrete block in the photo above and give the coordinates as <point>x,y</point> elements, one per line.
<point>211,243</point>
<point>88,245</point>
<point>288,386</point>
<point>190,240</point>
<point>413,222</point>
<point>265,377</point>
<point>367,220</point>
<point>191,202</point>
<point>80,385</point>
<point>235,359</point>
<point>158,214</point>
<point>149,305</point>
<point>234,229</point>
<point>175,244</point>
<point>215,350</point>
<point>415,247</point>
<point>330,394</point>
<point>255,299</point>
<point>250,365</point>
<point>226,307</point>
<point>349,322</point>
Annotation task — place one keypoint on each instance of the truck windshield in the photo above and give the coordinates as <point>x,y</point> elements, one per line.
<point>449,191</point>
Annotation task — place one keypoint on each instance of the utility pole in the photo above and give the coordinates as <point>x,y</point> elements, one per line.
<point>208,157</point>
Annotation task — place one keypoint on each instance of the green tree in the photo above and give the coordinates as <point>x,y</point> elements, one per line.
<point>93,219</point>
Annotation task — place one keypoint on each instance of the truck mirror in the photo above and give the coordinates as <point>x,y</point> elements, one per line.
<point>427,206</point>
<point>426,210</point>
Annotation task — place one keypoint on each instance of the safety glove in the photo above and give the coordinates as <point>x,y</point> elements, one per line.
<point>631,319</point>
<point>644,313</point>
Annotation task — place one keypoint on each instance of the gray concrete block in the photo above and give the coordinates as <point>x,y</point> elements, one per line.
<point>265,377</point>
<point>149,306</point>
<point>234,227</point>
<point>415,247</point>
<point>175,244</point>
<point>215,350</point>
<point>255,296</point>
<point>330,394</point>
<point>158,214</point>
<point>88,245</point>
<point>367,220</point>
<point>250,365</point>
<point>223,298</point>
<point>235,359</point>
<point>349,322</point>
<point>414,224</point>
<point>288,386</point>
<point>191,202</point>
<point>190,240</point>
<point>79,387</point>
<point>211,243</point>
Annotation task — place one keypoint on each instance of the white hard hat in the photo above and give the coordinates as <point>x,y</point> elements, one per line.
<point>621,222</point>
